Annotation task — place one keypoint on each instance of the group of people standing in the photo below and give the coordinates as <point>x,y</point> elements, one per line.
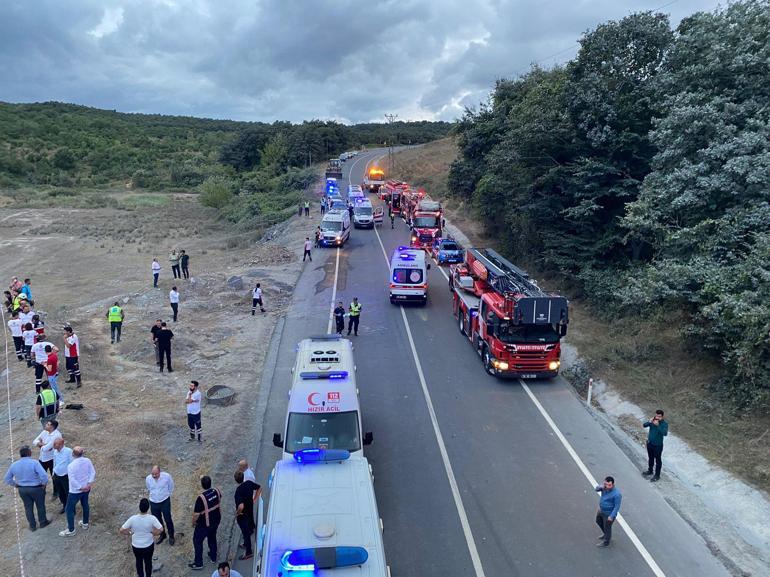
<point>180,266</point>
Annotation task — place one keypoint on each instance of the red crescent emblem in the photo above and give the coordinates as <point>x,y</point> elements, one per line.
<point>310,399</point>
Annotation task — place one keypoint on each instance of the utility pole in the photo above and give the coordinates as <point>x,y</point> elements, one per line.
<point>391,118</point>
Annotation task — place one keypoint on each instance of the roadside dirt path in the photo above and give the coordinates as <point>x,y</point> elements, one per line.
<point>81,261</point>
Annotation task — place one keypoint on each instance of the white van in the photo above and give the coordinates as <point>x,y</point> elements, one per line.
<point>324,411</point>
<point>355,193</point>
<point>363,213</point>
<point>335,228</point>
<point>408,276</point>
<point>322,516</point>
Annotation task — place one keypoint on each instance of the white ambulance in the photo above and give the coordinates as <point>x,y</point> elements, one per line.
<point>408,276</point>
<point>324,410</point>
<point>322,519</point>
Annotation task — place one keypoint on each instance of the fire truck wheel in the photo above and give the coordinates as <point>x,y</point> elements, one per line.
<point>461,316</point>
<point>487,358</point>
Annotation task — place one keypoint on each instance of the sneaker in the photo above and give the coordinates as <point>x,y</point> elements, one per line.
<point>646,473</point>
<point>171,540</point>
<point>33,529</point>
<point>170,370</point>
<point>602,544</point>
<point>195,567</point>
<point>655,479</point>
<point>66,533</point>
<point>45,523</point>
<point>84,525</point>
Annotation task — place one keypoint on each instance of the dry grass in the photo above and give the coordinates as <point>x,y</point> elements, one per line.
<point>646,361</point>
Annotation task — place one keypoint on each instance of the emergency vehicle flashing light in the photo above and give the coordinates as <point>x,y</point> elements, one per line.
<point>323,558</point>
<point>321,455</point>
<point>309,375</point>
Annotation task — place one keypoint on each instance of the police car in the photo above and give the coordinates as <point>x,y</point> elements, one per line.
<point>408,276</point>
<point>324,411</point>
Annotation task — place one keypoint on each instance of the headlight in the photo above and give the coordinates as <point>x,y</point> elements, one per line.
<point>502,365</point>
<point>339,237</point>
<point>414,238</point>
<point>553,365</point>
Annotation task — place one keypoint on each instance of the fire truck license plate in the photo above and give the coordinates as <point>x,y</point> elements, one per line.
<point>400,296</point>
<point>528,376</point>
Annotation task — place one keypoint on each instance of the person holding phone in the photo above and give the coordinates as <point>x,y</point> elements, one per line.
<point>657,429</point>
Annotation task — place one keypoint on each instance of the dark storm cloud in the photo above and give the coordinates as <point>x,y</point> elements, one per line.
<point>287,59</point>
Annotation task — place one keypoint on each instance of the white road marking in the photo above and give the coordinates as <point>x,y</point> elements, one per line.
<point>470,541</point>
<point>334,292</point>
<point>657,571</point>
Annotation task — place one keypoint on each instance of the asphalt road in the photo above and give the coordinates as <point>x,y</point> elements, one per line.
<point>496,483</point>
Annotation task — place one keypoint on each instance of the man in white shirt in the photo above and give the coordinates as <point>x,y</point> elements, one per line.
<point>193,402</point>
<point>26,314</point>
<point>160,486</point>
<point>15,326</point>
<point>81,474</point>
<point>45,441</point>
<point>248,472</point>
<point>223,570</point>
<point>143,529</point>
<point>155,272</point>
<point>173,298</point>
<point>62,457</point>
<point>308,246</point>
<point>40,356</point>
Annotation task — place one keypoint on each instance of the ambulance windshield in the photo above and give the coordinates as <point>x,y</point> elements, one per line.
<point>323,431</point>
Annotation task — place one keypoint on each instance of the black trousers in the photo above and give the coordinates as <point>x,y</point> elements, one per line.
<point>308,255</point>
<point>61,487</point>
<point>28,354</point>
<point>18,343</point>
<point>654,458</point>
<point>33,498</point>
<point>254,303</point>
<point>175,270</point>
<point>73,368</point>
<point>605,525</point>
<point>247,530</point>
<point>353,323</point>
<point>199,535</point>
<point>162,512</point>
<point>175,308</point>
<point>39,372</point>
<point>48,468</point>
<point>115,330</point>
<point>194,424</point>
<point>164,351</point>
<point>340,322</point>
<point>143,557</point>
<point>185,272</point>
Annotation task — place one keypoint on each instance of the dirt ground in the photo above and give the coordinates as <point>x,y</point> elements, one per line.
<point>80,262</point>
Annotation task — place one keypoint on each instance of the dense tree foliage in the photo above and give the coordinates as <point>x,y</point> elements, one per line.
<point>641,170</point>
<point>64,145</point>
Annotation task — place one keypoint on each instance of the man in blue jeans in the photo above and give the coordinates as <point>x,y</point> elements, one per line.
<point>81,474</point>
<point>609,507</point>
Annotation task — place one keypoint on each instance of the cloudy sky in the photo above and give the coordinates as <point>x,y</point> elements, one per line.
<point>349,60</point>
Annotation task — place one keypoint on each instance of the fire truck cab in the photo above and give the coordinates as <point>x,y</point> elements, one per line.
<point>426,224</point>
<point>374,179</point>
<point>514,326</point>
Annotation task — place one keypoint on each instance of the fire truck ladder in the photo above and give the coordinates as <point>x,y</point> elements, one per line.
<point>504,276</point>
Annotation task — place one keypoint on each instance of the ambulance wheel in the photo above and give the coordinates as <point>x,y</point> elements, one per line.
<point>461,316</point>
<point>487,359</point>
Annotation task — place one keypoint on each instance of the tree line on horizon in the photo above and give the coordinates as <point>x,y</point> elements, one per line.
<point>640,173</point>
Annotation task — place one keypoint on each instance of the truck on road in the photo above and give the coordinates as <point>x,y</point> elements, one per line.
<point>374,179</point>
<point>426,224</point>
<point>334,168</point>
<point>513,325</point>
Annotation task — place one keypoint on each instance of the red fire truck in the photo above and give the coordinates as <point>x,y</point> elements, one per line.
<point>513,324</point>
<point>426,224</point>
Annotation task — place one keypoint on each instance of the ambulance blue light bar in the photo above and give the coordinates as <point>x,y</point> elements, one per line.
<point>323,558</point>
<point>321,455</point>
<point>311,375</point>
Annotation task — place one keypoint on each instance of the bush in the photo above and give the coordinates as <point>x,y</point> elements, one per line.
<point>216,192</point>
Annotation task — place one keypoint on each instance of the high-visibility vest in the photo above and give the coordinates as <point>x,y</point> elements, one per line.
<point>355,309</point>
<point>114,315</point>
<point>47,399</point>
<point>215,502</point>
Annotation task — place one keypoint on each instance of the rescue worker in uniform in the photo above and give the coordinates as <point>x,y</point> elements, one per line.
<point>392,216</point>
<point>115,317</point>
<point>205,519</point>
<point>47,404</point>
<point>339,317</point>
<point>354,310</point>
